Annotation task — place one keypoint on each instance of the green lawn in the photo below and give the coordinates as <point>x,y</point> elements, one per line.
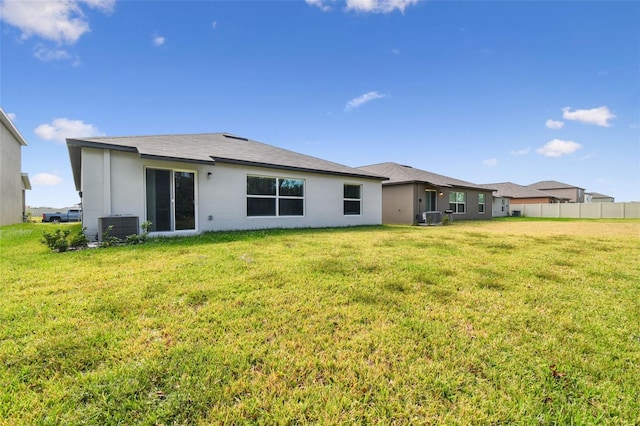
<point>501,322</point>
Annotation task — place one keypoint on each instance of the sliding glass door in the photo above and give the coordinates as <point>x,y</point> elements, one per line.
<point>170,200</point>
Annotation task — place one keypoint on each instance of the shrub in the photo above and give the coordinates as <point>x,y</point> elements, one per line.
<point>56,241</point>
<point>59,240</point>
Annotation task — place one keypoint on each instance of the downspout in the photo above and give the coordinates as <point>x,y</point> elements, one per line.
<point>106,182</point>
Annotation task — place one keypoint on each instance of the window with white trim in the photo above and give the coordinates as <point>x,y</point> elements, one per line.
<point>457,201</point>
<point>481,203</point>
<point>352,202</point>
<point>269,196</point>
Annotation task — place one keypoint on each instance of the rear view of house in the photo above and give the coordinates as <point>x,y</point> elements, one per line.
<point>185,184</point>
<point>413,195</point>
<point>13,183</point>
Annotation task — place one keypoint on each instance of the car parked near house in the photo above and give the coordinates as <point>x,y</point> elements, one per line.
<point>71,215</point>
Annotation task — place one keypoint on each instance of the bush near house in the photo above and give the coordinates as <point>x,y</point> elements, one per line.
<point>500,322</point>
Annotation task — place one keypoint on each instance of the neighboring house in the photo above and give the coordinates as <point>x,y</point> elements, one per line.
<point>595,197</point>
<point>501,202</point>
<point>185,184</point>
<point>560,190</point>
<point>410,193</point>
<point>13,183</point>
<point>518,194</point>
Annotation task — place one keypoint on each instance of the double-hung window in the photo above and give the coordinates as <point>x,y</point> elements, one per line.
<point>270,196</point>
<point>481,203</point>
<point>352,204</point>
<point>457,201</point>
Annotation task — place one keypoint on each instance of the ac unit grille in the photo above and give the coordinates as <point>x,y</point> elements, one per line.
<point>122,226</point>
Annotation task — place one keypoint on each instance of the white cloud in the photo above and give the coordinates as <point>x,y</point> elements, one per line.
<point>214,24</point>
<point>46,179</point>
<point>158,40</point>
<point>491,162</point>
<point>54,20</point>
<point>361,100</point>
<point>379,6</point>
<point>558,148</point>
<point>395,51</point>
<point>47,55</point>
<point>366,6</point>
<point>521,151</point>
<point>598,116</point>
<point>12,116</point>
<point>62,128</point>
<point>553,124</point>
<point>319,4</point>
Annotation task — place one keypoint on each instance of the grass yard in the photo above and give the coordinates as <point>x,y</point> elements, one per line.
<point>511,321</point>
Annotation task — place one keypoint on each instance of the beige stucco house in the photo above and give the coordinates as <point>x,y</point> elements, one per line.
<point>13,183</point>
<point>414,196</point>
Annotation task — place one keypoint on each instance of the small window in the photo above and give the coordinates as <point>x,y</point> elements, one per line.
<point>457,202</point>
<point>352,199</point>
<point>481,203</point>
<point>268,196</point>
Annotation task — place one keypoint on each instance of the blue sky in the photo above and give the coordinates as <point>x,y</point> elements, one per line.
<point>483,91</point>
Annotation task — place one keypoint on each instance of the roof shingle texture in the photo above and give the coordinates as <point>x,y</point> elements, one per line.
<point>513,190</point>
<point>551,184</point>
<point>399,173</point>
<point>221,147</point>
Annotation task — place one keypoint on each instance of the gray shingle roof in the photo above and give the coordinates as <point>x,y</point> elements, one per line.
<point>552,184</point>
<point>513,190</point>
<point>399,173</point>
<point>209,148</point>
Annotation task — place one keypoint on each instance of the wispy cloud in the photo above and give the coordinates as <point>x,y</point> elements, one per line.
<point>558,148</point>
<point>62,128</point>
<point>157,40</point>
<point>524,151</point>
<point>320,4</point>
<point>12,116</point>
<point>362,99</point>
<point>490,162</point>
<point>46,179</point>
<point>553,124</point>
<point>365,6</point>
<point>379,6</point>
<point>214,24</point>
<point>598,116</point>
<point>53,20</point>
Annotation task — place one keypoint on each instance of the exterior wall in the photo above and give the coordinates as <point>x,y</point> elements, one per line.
<point>399,204</point>
<point>472,209</point>
<point>575,195</point>
<point>11,204</point>
<point>500,206</point>
<point>113,183</point>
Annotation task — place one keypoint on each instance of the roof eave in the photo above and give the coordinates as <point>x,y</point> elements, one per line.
<point>12,128</point>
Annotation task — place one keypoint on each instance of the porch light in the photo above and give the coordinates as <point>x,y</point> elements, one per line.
<point>441,193</point>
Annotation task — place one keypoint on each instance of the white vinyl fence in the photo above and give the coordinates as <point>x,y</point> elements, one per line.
<point>578,210</point>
